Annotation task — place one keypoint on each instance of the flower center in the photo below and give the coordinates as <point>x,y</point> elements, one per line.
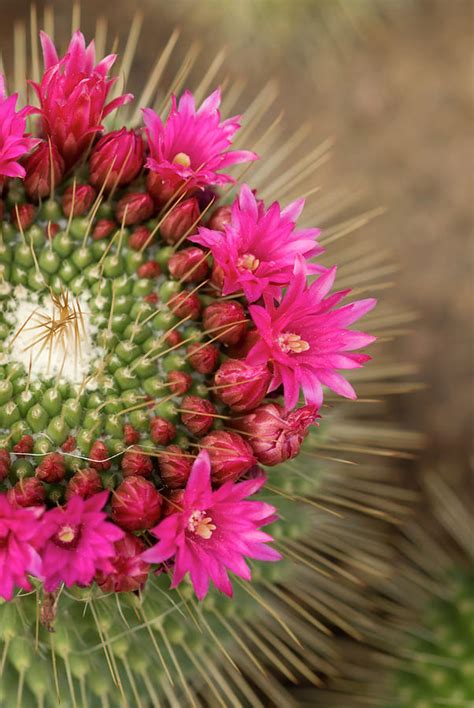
<point>290,342</point>
<point>248,262</point>
<point>181,158</point>
<point>68,536</point>
<point>201,524</point>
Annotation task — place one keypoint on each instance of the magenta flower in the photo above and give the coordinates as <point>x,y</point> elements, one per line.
<point>306,339</point>
<point>73,94</point>
<point>77,542</point>
<point>13,142</point>
<point>18,554</point>
<point>257,249</point>
<point>191,146</point>
<point>214,531</point>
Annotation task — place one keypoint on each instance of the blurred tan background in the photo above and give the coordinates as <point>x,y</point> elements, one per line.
<point>391,82</point>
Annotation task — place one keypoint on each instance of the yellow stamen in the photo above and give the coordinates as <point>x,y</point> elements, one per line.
<point>248,262</point>
<point>201,524</point>
<point>181,158</point>
<point>290,342</point>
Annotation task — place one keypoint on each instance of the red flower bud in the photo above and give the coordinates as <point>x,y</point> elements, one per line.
<point>180,220</point>
<point>70,444</point>
<point>27,492</point>
<point>180,382</point>
<point>51,230</point>
<point>162,431</point>
<point>203,357</point>
<point>152,298</point>
<point>240,386</point>
<point>242,348</point>
<point>173,501</point>
<point>38,170</point>
<point>225,320</point>
<point>23,215</point>
<point>134,208</point>
<point>173,338</point>
<point>141,237</point>
<point>162,190</point>
<point>99,455</point>
<point>84,483</point>
<point>136,504</point>
<point>5,463</point>
<point>185,304</point>
<point>217,277</point>
<point>189,265</point>
<point>116,159</point>
<point>220,218</point>
<point>78,201</point>
<point>276,435</point>
<point>231,456</point>
<point>150,269</point>
<point>24,446</point>
<point>136,463</point>
<point>129,572</point>
<point>175,467</point>
<point>52,469</point>
<point>130,435</point>
<point>197,419</point>
<point>103,228</point>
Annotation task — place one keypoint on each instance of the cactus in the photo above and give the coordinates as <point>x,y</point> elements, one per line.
<point>123,356</point>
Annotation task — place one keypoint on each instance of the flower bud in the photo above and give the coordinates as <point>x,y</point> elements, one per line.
<point>185,304</point>
<point>225,321</point>
<point>162,431</point>
<point>196,418</point>
<point>231,456</point>
<point>162,190</point>
<point>179,220</point>
<point>240,386</point>
<point>116,159</point>
<point>52,469</point>
<point>149,270</point>
<point>99,455</point>
<point>189,265</point>
<point>84,483</point>
<point>130,435</point>
<point>103,229</point>
<point>136,464</point>
<point>70,444</point>
<point>134,208</point>
<point>173,337</point>
<point>129,572</point>
<point>27,492</point>
<point>180,382</point>
<point>78,201</point>
<point>220,218</point>
<point>276,436</point>
<point>24,446</point>
<point>203,357</point>
<point>140,238</point>
<point>23,215</point>
<point>136,504</point>
<point>175,467</point>
<point>242,348</point>
<point>38,170</point>
<point>5,463</point>
<point>217,277</point>
<point>173,501</point>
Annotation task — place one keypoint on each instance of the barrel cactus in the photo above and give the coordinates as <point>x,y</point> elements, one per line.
<point>165,337</point>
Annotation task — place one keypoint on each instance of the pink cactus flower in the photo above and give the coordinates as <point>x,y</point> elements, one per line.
<point>77,542</point>
<point>18,554</point>
<point>73,96</point>
<point>13,141</point>
<point>306,339</point>
<point>256,251</point>
<point>191,146</point>
<point>214,531</point>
